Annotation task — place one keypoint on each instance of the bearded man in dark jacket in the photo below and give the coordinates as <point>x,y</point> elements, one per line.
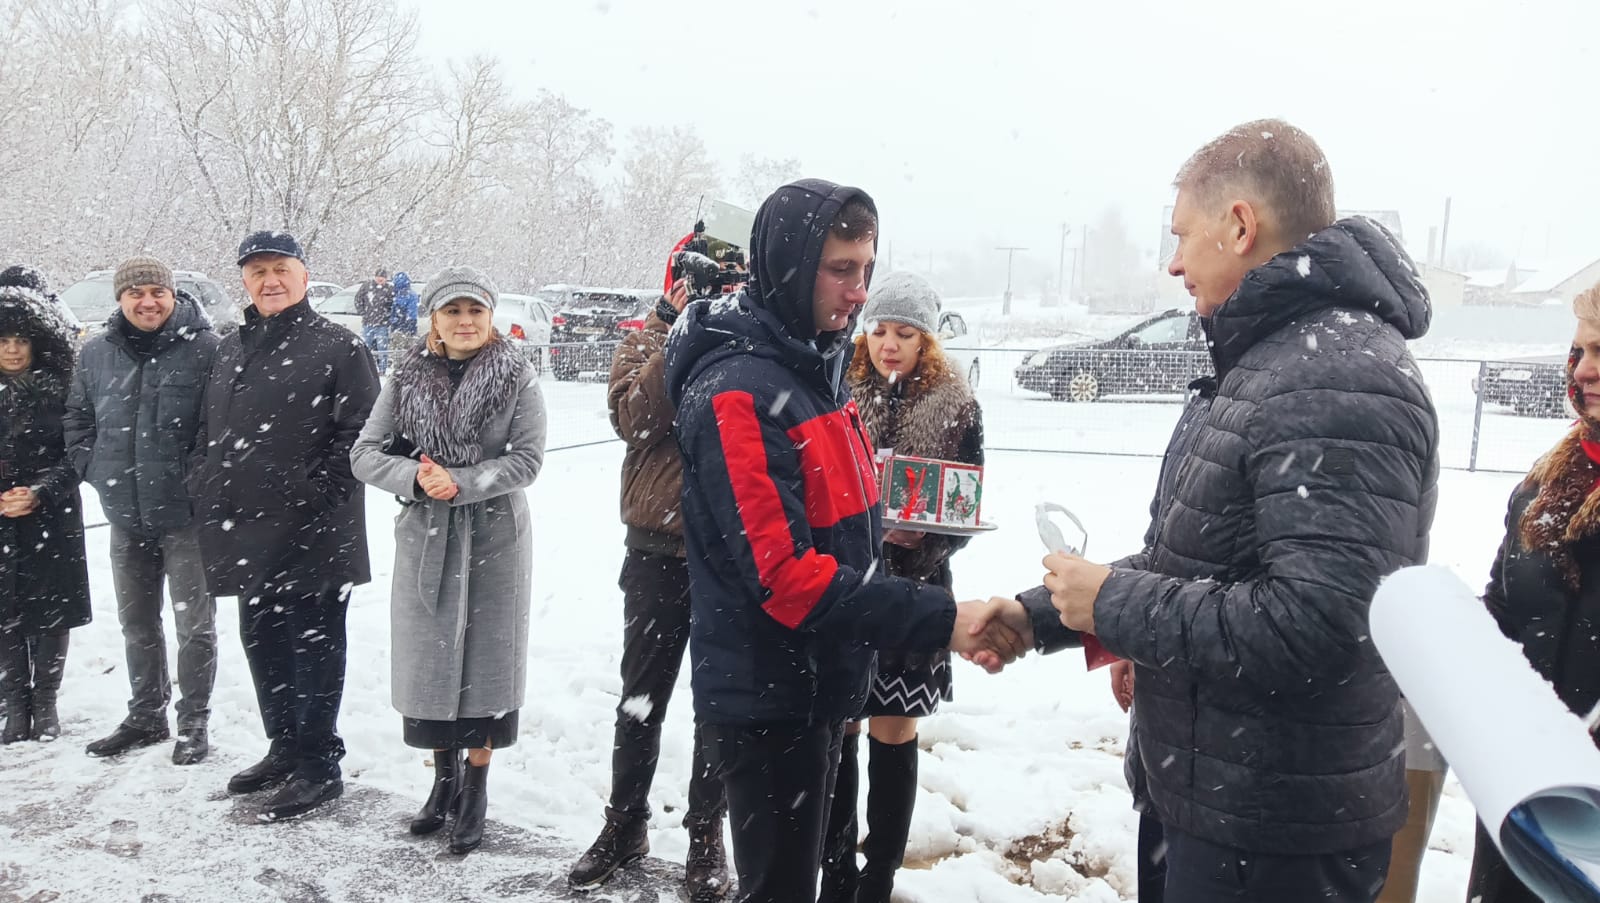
<point>1269,732</point>
<point>283,525</point>
<point>783,532</point>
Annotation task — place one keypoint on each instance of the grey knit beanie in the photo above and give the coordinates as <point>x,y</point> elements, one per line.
<point>141,271</point>
<point>903,297</point>
<point>455,282</point>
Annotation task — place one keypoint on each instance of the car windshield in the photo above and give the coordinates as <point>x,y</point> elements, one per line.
<point>91,299</point>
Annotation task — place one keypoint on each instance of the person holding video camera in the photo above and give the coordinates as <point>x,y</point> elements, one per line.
<point>655,618</point>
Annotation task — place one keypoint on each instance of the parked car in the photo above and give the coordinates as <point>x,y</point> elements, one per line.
<point>588,323</point>
<point>340,307</point>
<point>1531,386</point>
<point>316,291</point>
<point>92,300</point>
<point>957,346</point>
<point>1159,356</point>
<point>525,320</point>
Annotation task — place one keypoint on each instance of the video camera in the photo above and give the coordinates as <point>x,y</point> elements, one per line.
<point>712,267</point>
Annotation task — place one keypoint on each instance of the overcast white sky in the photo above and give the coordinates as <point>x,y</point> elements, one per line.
<point>997,120</point>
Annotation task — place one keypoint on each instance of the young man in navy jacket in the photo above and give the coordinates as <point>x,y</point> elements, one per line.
<point>783,532</point>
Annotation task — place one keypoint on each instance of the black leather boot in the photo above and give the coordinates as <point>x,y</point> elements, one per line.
<point>448,764</point>
<point>891,794</point>
<point>470,811</point>
<point>15,686</point>
<point>49,664</point>
<point>705,872</point>
<point>839,874</point>
<point>624,839</point>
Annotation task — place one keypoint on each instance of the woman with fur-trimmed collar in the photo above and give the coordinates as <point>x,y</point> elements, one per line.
<point>457,434</point>
<point>1544,587</point>
<point>912,401</point>
<point>44,575</point>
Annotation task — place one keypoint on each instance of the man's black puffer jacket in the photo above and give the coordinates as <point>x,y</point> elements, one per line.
<point>1267,721</point>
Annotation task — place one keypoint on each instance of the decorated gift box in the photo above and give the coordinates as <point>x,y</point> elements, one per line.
<point>931,491</point>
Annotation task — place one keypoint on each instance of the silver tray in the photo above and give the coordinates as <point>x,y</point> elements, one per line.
<point>893,523</point>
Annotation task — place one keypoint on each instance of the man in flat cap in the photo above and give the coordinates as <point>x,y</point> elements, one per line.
<point>282,520</point>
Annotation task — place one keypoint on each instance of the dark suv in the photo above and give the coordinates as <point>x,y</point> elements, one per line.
<point>1160,356</point>
<point>589,322</point>
<point>92,300</point>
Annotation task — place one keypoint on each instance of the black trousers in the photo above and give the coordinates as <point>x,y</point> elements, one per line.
<point>296,649</point>
<point>655,633</point>
<point>779,779</point>
<point>1152,857</point>
<point>1199,871</point>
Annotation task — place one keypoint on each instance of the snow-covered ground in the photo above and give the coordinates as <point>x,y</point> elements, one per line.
<point>1022,794</point>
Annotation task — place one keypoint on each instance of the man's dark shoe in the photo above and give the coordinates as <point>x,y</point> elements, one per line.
<point>705,873</point>
<point>192,747</point>
<point>125,738</point>
<point>623,840</point>
<point>269,772</point>
<point>298,797</point>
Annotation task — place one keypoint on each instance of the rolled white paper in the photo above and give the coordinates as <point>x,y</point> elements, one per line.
<point>1511,741</point>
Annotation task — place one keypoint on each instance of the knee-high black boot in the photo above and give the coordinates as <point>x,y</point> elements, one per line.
<point>447,768</point>
<point>470,813</point>
<point>49,665</point>
<point>839,872</point>
<point>15,685</point>
<point>891,794</point>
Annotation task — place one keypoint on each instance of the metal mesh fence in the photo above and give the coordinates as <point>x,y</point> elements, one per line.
<point>1125,402</point>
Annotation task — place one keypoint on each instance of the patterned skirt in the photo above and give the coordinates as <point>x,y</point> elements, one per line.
<point>910,684</point>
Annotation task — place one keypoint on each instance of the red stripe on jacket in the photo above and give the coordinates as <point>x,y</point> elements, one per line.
<point>795,584</point>
<point>836,467</point>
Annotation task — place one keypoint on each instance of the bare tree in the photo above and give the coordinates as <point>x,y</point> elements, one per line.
<point>758,177</point>
<point>287,107</point>
<point>666,174</point>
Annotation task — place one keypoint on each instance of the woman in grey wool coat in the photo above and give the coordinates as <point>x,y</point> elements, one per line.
<point>457,435</point>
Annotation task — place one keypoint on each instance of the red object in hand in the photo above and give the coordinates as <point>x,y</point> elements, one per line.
<point>1096,655</point>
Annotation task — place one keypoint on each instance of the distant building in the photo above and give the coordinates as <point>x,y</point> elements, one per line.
<point>1557,284</point>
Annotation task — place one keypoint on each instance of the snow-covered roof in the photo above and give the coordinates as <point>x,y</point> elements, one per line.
<point>1550,278</point>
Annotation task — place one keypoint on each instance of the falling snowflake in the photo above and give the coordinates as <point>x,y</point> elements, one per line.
<point>637,707</point>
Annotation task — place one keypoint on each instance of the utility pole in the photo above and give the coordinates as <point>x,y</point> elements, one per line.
<point>1011,254</point>
<point>1444,236</point>
<point>1061,267</point>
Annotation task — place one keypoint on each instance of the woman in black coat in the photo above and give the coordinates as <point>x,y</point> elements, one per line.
<point>1544,588</point>
<point>44,578</point>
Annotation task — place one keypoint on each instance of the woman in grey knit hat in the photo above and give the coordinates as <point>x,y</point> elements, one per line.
<point>915,401</point>
<point>457,434</point>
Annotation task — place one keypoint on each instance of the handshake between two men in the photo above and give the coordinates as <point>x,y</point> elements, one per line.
<point>996,633</point>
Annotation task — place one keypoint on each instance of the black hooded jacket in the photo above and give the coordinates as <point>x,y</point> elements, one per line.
<point>1267,721</point>
<point>780,502</point>
<point>44,572</point>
